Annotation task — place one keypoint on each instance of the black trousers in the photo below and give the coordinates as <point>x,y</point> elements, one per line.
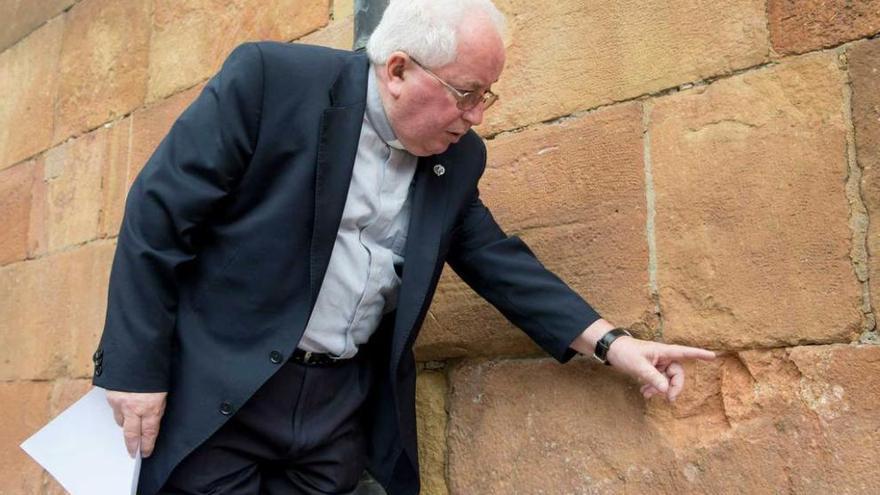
<point>301,433</point>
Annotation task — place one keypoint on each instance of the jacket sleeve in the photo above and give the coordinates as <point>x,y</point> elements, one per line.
<point>504,271</point>
<point>197,164</point>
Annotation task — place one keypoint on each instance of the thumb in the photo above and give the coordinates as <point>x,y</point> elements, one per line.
<point>649,374</point>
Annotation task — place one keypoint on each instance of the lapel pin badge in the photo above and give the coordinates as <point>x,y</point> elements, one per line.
<point>439,170</point>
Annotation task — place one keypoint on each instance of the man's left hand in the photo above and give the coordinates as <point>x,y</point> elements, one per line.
<point>657,366</point>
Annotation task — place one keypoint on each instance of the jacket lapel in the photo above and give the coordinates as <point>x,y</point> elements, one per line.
<point>423,241</point>
<point>337,149</point>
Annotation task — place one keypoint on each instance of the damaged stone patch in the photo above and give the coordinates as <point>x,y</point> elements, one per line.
<point>789,420</point>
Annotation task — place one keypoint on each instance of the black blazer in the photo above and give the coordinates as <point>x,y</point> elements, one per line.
<point>227,235</point>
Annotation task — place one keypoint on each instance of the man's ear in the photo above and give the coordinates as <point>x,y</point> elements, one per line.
<point>395,70</point>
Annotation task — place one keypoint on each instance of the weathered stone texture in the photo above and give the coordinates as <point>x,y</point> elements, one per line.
<point>103,63</point>
<point>431,418</point>
<point>26,410</point>
<point>339,33</point>
<point>798,26</point>
<point>799,420</point>
<point>21,17</point>
<point>114,177</point>
<point>572,55</point>
<point>751,214</point>
<point>72,182</point>
<point>574,191</point>
<point>864,69</point>
<point>53,312</point>
<point>28,85</point>
<point>192,38</point>
<point>16,190</point>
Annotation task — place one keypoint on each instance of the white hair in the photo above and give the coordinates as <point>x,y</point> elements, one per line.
<point>427,29</point>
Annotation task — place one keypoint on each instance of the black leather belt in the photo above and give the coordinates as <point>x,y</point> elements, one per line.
<point>316,358</point>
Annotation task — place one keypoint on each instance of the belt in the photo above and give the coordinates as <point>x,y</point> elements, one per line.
<point>316,358</point>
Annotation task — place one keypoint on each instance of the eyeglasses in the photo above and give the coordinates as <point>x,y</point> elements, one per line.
<point>464,100</point>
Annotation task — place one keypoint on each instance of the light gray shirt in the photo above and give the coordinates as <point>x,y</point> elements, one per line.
<point>361,283</point>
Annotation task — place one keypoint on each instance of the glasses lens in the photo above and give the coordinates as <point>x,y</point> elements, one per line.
<point>488,99</point>
<point>472,99</point>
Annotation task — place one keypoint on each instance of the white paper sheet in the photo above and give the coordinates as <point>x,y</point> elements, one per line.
<point>84,450</point>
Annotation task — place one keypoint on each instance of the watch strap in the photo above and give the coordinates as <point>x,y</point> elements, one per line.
<point>602,346</point>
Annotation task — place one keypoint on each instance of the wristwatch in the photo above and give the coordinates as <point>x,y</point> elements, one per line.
<point>604,344</point>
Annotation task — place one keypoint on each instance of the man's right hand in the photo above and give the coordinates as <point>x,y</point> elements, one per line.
<point>139,415</point>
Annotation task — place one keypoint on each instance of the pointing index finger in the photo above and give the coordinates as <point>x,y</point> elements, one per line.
<point>685,352</point>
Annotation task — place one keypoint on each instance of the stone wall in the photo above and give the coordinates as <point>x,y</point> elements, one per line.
<point>704,172</point>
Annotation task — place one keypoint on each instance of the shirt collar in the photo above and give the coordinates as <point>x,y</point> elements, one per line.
<point>376,112</point>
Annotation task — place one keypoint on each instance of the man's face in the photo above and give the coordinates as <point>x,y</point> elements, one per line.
<point>423,112</point>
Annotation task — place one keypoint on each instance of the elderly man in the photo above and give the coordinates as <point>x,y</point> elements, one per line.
<point>281,247</point>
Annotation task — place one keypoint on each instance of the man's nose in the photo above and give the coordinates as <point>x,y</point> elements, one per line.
<point>474,116</point>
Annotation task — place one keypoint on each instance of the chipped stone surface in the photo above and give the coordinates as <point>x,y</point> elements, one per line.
<point>103,64</point>
<point>192,38</point>
<point>751,214</point>
<point>431,420</point>
<point>53,313</point>
<point>798,26</point>
<point>573,55</point>
<point>574,191</point>
<point>864,70</point>
<point>798,420</point>
<point>29,83</point>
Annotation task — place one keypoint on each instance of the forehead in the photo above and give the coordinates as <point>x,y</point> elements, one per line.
<point>480,56</point>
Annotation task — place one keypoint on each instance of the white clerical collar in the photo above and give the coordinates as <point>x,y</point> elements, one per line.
<point>376,112</point>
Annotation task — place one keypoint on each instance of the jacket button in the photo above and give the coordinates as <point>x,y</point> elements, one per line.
<point>275,357</point>
<point>98,370</point>
<point>225,408</point>
<point>98,356</point>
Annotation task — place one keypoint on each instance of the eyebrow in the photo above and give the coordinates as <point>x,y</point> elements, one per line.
<point>471,85</point>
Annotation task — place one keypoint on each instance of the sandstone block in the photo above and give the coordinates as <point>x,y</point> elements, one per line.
<point>103,63</point>
<point>16,189</point>
<point>26,411</point>
<point>572,55</point>
<point>751,214</point>
<point>38,236</point>
<point>114,177</point>
<point>29,83</point>
<point>574,191</point>
<point>864,69</point>
<point>21,17</point>
<point>44,341</point>
<point>431,419</point>
<point>798,26</point>
<point>797,420</point>
<point>72,182</point>
<point>192,38</point>
<point>338,34</point>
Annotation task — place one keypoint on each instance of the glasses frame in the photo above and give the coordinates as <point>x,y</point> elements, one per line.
<point>487,97</point>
